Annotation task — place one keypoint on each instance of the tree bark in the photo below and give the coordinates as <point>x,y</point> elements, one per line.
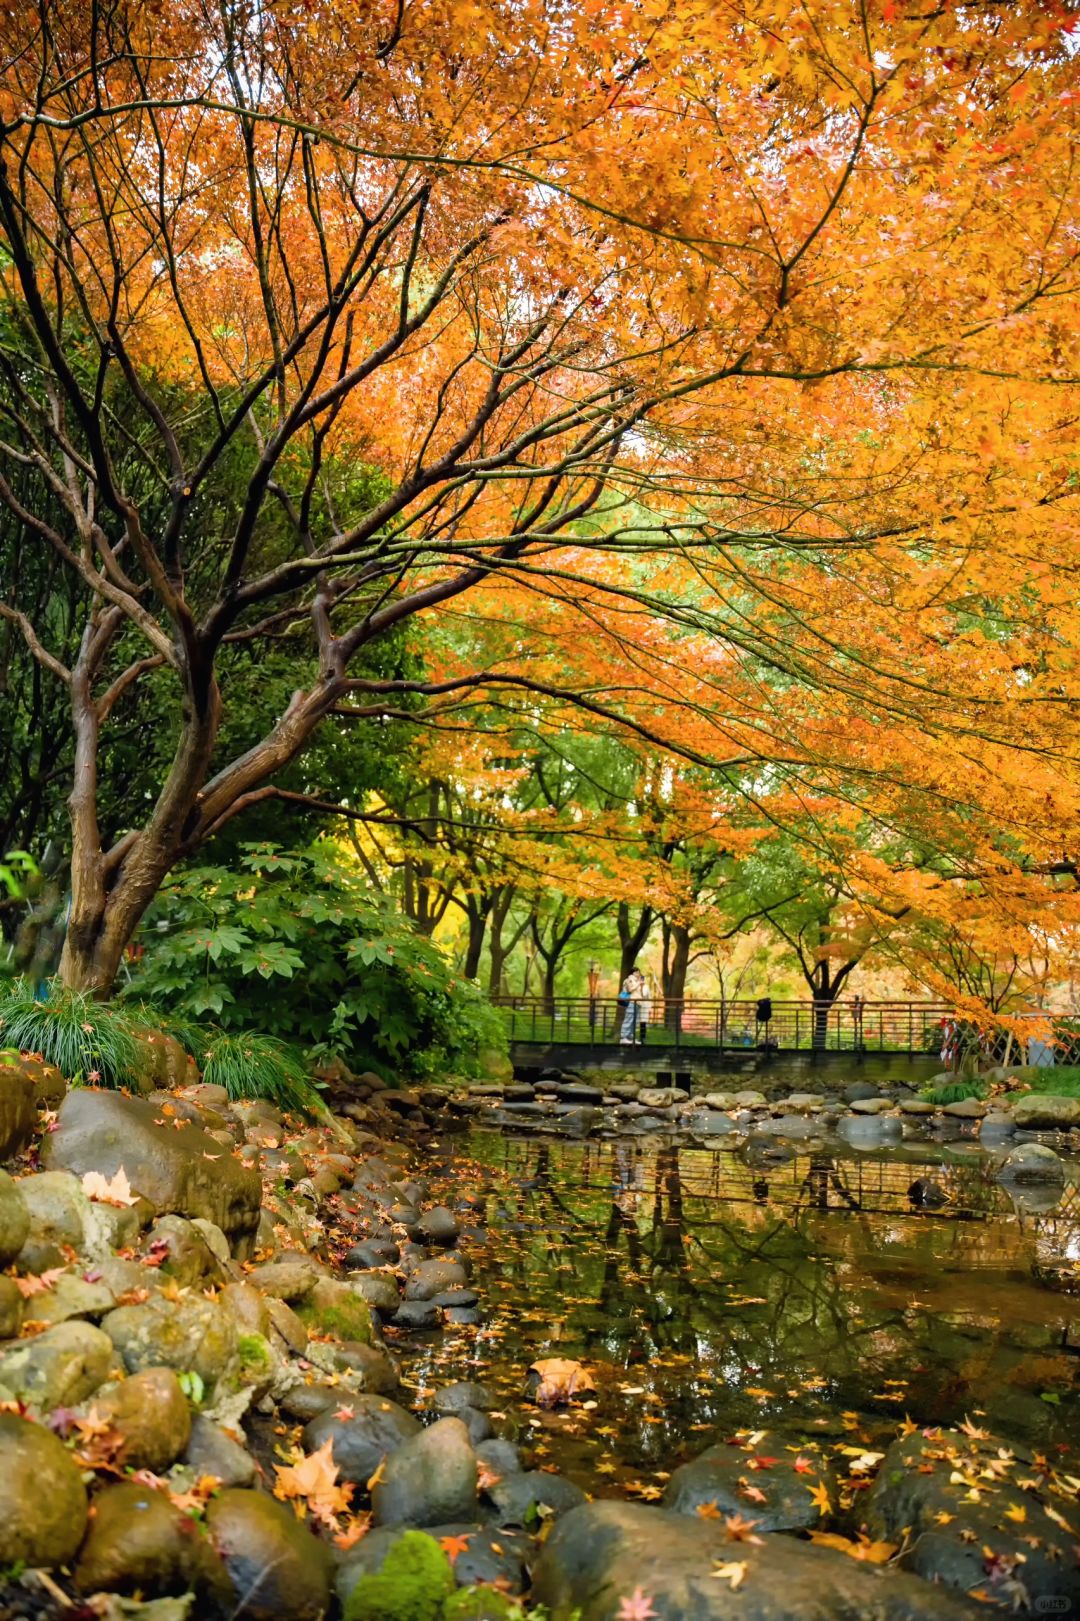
<point>632,936</point>
<point>674,969</point>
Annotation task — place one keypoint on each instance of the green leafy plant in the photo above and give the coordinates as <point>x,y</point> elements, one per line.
<point>93,1040</point>
<point>291,942</point>
<point>252,1065</point>
<point>954,1092</point>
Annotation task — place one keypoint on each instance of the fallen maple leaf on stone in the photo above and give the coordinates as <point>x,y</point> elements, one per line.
<point>733,1571</point>
<point>873,1553</point>
<point>560,1378</point>
<point>314,1479</point>
<point>635,1606</point>
<point>452,1546</point>
<point>36,1284</point>
<point>820,1497</point>
<point>740,1530</point>
<point>117,1192</point>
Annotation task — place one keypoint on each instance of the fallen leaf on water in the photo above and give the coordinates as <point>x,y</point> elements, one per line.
<point>560,1379</point>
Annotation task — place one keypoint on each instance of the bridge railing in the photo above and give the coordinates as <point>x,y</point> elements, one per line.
<point>794,1026</point>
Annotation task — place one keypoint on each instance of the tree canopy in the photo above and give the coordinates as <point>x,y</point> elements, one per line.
<point>702,376</point>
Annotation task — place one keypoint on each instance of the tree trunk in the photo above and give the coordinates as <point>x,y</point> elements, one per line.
<point>477,913</point>
<point>499,949</point>
<point>632,937</point>
<point>676,965</point>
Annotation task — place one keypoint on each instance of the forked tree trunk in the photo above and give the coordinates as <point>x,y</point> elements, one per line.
<point>676,966</point>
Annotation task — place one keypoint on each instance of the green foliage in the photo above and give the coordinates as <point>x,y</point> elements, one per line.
<point>1062,1081</point>
<point>251,1065</point>
<point>86,1040</point>
<point>414,1584</point>
<point>954,1092</point>
<point>16,869</point>
<point>291,942</point>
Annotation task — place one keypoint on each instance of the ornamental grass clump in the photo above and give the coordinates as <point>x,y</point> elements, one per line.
<point>90,1042</point>
<point>252,1066</point>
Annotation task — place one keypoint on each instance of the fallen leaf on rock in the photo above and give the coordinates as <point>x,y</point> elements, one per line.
<point>36,1284</point>
<point>117,1191</point>
<point>314,1479</point>
<point>733,1571</point>
<point>873,1553</point>
<point>452,1546</point>
<point>635,1606</point>
<point>740,1530</point>
<point>820,1497</point>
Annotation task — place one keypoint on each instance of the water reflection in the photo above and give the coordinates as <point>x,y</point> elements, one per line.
<point>713,1294</point>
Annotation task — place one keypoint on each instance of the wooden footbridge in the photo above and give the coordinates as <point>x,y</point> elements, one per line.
<point>696,1034</point>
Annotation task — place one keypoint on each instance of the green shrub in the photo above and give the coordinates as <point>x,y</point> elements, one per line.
<point>291,943</point>
<point>954,1092</point>
<point>414,1583</point>
<point>1062,1081</point>
<point>91,1041</point>
<point>249,1065</point>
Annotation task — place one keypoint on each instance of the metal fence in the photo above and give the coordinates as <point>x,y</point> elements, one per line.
<point>909,1027</point>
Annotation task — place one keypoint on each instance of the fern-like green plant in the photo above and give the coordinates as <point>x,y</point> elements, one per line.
<point>94,1041</point>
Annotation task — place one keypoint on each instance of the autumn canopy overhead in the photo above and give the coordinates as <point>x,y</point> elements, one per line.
<point>706,373</point>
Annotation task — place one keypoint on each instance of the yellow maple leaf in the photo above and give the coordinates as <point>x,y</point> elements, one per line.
<point>733,1571</point>
<point>116,1192</point>
<point>314,1479</point>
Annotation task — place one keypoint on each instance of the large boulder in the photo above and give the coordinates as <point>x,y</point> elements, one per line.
<point>959,1495</point>
<point>14,1219</point>
<point>716,1482</point>
<point>190,1335</point>
<point>58,1368</point>
<point>42,1496</point>
<point>18,1107</point>
<point>182,1171</point>
<point>429,1480</point>
<point>433,1278</point>
<point>1031,1163</point>
<point>1046,1113</point>
<point>277,1570</point>
<point>364,1430</point>
<point>140,1543</point>
<point>151,1413</point>
<point>602,1554</point>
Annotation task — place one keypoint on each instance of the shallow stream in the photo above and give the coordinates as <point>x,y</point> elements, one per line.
<point>707,1295</point>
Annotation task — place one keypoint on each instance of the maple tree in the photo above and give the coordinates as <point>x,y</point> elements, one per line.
<point>717,369</point>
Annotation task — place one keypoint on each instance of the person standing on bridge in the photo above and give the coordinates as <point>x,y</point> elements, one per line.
<point>631,998</point>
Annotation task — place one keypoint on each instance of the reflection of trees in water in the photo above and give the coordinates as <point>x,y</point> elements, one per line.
<point>661,1240</point>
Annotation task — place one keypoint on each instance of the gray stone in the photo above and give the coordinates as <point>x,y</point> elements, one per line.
<point>11,1308</point>
<point>452,1398</point>
<point>499,1457</point>
<point>187,1256</point>
<point>439,1226</point>
<point>603,1552</point>
<point>858,1091</point>
<point>966,1109</point>
<point>711,1123</point>
<point>518,1498</point>
<point>375,1370</point>
<point>720,1100</point>
<point>14,1219</point>
<point>42,1496</point>
<point>870,1132</point>
<point>715,1478</point>
<point>433,1278</point>
<point>181,1172</point>
<point>1031,1162</point>
<point>277,1570</point>
<point>429,1480</point>
<point>373,1252</point>
<point>151,1413</point>
<point>1035,1113</point>
<point>139,1542</point>
<point>379,1289</point>
<point>59,1368</point>
<point>70,1296</point>
<point>750,1099</point>
<point>373,1428</point>
<point>191,1334</point>
<point>660,1097</point>
<point>916,1106</point>
<point>923,1484</point>
<point>212,1451</point>
<point>417,1314</point>
<point>290,1278</point>
<point>875,1105</point>
<point>60,1212</point>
